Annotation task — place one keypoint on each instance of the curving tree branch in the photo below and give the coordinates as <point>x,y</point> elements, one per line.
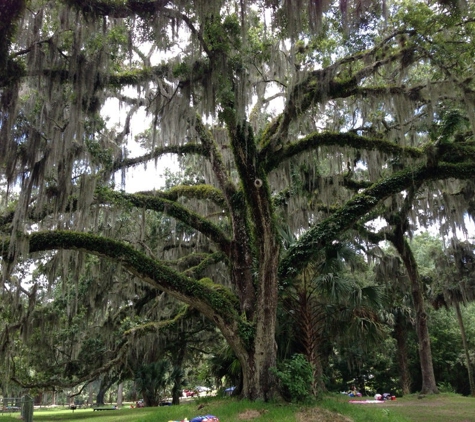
<point>172,209</point>
<point>206,192</point>
<point>326,84</point>
<point>299,254</point>
<point>348,139</point>
<point>213,303</point>
<point>158,152</point>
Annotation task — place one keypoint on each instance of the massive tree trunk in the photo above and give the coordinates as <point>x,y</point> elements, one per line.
<point>258,337</point>
<point>258,247</point>
<point>429,385</point>
<point>261,382</point>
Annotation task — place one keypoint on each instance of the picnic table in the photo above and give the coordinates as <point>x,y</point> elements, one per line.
<point>10,409</point>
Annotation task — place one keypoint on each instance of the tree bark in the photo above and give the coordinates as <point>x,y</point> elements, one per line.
<point>178,380</point>
<point>120,390</point>
<point>258,381</point>
<point>90,400</point>
<point>100,396</point>
<point>263,247</point>
<point>106,383</point>
<point>400,334</point>
<point>429,385</point>
<point>465,347</point>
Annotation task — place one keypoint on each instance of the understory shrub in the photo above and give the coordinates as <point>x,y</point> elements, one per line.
<point>295,377</point>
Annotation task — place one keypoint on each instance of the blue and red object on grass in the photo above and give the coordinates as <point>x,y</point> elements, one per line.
<point>206,418</point>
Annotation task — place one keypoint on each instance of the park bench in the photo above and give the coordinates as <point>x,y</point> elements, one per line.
<point>104,408</point>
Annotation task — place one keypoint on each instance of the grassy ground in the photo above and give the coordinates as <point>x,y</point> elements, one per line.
<point>433,408</point>
<point>334,408</point>
<point>439,408</point>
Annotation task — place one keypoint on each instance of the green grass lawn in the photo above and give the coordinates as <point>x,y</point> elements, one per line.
<point>438,408</point>
<point>122,415</point>
<point>433,408</point>
<point>225,410</point>
<point>333,408</point>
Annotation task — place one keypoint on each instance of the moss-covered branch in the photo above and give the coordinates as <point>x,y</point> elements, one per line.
<point>193,264</point>
<point>210,259</point>
<point>120,356</point>
<point>298,256</point>
<point>10,12</point>
<point>212,302</point>
<point>323,85</point>
<point>157,153</point>
<point>137,76</point>
<point>133,76</point>
<point>118,9</point>
<point>217,163</point>
<point>347,139</point>
<point>204,192</point>
<point>154,326</point>
<point>172,209</point>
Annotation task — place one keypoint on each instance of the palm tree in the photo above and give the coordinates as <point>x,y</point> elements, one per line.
<point>224,365</point>
<point>324,302</point>
<point>151,380</point>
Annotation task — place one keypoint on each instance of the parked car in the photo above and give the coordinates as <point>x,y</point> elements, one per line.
<point>229,391</point>
<point>189,393</point>
<point>202,389</point>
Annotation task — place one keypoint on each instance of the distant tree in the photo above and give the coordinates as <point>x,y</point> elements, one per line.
<point>390,273</point>
<point>455,281</point>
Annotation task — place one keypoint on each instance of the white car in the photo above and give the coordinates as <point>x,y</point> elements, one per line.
<point>202,389</point>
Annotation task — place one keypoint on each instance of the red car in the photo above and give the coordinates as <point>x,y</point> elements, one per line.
<point>189,393</point>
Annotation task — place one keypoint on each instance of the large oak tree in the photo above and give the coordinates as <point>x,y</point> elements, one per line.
<point>316,116</point>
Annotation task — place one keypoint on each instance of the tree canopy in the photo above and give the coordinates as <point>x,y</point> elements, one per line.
<point>314,117</point>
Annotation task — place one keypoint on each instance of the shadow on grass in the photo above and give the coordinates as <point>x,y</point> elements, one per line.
<point>47,415</point>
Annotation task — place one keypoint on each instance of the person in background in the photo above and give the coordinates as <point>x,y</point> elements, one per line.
<point>354,392</point>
